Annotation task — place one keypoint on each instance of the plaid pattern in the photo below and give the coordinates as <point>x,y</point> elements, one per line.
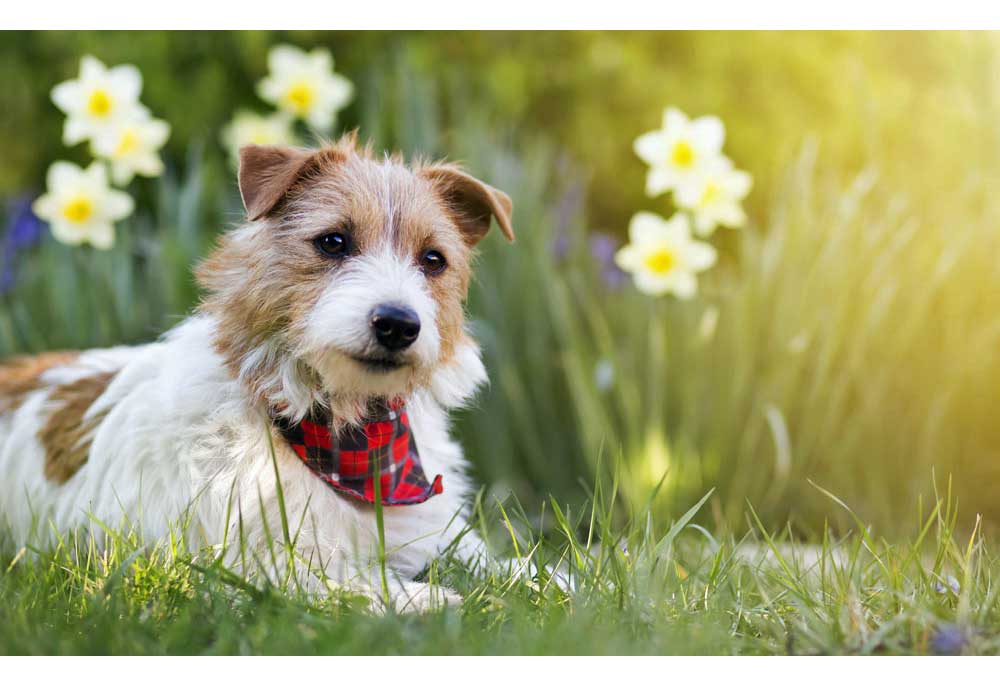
<point>347,460</point>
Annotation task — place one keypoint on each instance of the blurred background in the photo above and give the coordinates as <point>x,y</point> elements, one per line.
<point>848,336</point>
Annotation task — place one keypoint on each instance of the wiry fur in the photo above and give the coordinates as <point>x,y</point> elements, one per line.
<point>178,430</point>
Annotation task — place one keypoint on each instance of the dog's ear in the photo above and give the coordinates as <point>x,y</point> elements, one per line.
<point>267,173</point>
<point>472,202</point>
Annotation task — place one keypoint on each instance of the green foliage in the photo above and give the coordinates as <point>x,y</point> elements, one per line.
<point>631,590</point>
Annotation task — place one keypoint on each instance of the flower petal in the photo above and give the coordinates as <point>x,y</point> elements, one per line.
<point>118,205</point>
<point>739,184</point>
<point>148,165</point>
<point>652,148</point>
<point>269,89</point>
<point>731,215</point>
<point>674,120</point>
<point>126,81</point>
<point>157,133</point>
<point>655,284</point>
<point>91,68</point>
<point>628,258</point>
<point>677,230</point>
<point>687,194</point>
<point>285,58</point>
<point>96,175</point>
<point>708,133</point>
<point>322,118</point>
<point>646,227</point>
<point>45,207</point>
<point>660,180</point>
<point>704,224</point>
<point>101,236</point>
<point>699,256</point>
<point>685,285</point>
<point>66,232</point>
<point>341,89</point>
<point>122,173</point>
<point>320,60</point>
<point>68,96</point>
<point>75,131</point>
<point>62,174</point>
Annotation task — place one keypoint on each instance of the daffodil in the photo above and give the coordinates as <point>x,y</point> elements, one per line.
<point>251,128</point>
<point>678,152</point>
<point>79,205</point>
<point>715,197</point>
<point>662,257</point>
<point>305,86</point>
<point>133,147</point>
<point>98,100</point>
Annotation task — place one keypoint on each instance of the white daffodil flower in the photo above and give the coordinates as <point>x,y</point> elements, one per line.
<point>715,197</point>
<point>98,100</point>
<point>662,257</point>
<point>79,205</point>
<point>133,147</point>
<point>678,152</point>
<point>305,86</point>
<point>251,128</point>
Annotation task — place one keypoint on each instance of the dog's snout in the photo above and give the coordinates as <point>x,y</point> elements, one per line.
<point>395,327</point>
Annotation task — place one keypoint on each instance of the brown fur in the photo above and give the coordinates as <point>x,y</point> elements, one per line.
<point>21,375</point>
<point>67,434</point>
<point>264,278</point>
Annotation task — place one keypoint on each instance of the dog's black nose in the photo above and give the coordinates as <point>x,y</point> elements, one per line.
<point>395,326</point>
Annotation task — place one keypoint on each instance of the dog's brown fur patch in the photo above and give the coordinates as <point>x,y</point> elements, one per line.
<point>67,434</point>
<point>21,375</point>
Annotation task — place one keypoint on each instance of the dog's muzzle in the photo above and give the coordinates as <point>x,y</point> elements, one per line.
<point>395,327</point>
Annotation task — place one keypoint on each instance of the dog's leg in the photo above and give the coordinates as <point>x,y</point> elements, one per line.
<point>396,594</point>
<point>407,596</point>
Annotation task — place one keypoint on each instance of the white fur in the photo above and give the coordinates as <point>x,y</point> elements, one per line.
<point>182,443</point>
<point>339,330</point>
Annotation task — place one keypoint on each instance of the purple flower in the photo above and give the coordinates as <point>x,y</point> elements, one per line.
<point>567,211</point>
<point>561,244</point>
<point>949,640</point>
<point>603,248</point>
<point>23,230</point>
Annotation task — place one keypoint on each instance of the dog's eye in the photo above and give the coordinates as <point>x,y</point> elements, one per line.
<point>432,262</point>
<point>334,244</point>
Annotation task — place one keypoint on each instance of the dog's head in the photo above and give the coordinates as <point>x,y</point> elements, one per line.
<point>348,280</point>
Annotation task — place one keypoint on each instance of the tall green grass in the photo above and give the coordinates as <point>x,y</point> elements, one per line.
<point>633,589</point>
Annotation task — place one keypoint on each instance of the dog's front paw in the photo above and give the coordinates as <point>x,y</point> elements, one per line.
<point>416,597</point>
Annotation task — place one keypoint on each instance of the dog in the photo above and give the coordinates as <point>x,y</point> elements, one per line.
<point>312,382</point>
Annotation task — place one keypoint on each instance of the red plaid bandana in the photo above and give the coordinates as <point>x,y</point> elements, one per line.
<point>346,461</point>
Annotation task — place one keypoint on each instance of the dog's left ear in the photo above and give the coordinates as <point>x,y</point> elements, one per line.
<point>472,202</point>
<point>267,173</point>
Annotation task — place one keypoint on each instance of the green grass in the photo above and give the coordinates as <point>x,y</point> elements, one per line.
<point>634,590</point>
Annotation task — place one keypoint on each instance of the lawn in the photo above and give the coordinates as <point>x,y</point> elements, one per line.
<point>630,592</point>
<point>798,457</point>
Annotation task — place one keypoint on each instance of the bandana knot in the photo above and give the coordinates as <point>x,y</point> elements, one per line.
<point>349,459</point>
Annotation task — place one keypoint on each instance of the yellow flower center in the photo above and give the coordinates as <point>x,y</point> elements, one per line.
<point>300,96</point>
<point>99,104</point>
<point>682,154</point>
<point>78,209</point>
<point>128,143</point>
<point>710,194</point>
<point>660,261</point>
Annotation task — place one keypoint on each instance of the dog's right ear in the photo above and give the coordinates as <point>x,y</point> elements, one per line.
<point>267,173</point>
